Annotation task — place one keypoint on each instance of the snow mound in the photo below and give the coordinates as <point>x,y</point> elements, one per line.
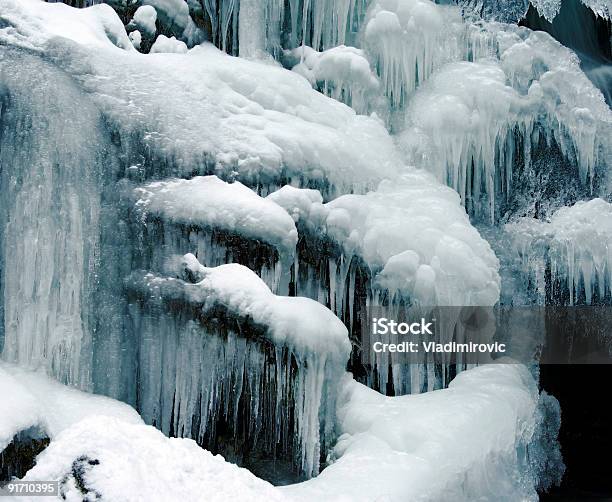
<point>208,202</point>
<point>32,399</point>
<point>466,442</point>
<point>118,460</point>
<point>168,45</point>
<point>576,245</point>
<point>412,233</point>
<point>205,112</point>
<point>298,323</point>
<point>144,19</point>
<point>342,73</point>
<point>33,23</point>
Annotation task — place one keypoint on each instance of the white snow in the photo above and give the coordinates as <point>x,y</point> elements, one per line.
<point>207,111</point>
<point>208,202</point>
<point>548,9</point>
<point>298,323</point>
<point>463,443</point>
<point>144,19</point>
<point>342,73</point>
<point>576,244</point>
<point>31,399</point>
<point>412,233</point>
<point>169,45</point>
<point>35,23</point>
<point>134,462</point>
<point>463,123</point>
<point>136,39</point>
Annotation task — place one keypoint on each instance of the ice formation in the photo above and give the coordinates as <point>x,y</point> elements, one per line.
<point>144,19</point>
<point>575,246</point>
<point>229,349</point>
<point>369,257</point>
<point>408,40</point>
<point>468,441</point>
<point>342,73</point>
<point>245,167</point>
<point>477,123</point>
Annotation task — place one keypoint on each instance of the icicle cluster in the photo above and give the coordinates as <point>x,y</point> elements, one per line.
<point>224,350</point>
<point>362,251</point>
<point>575,247</point>
<point>476,123</point>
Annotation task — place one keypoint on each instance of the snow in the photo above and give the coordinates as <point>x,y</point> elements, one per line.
<point>172,45</point>
<point>145,18</point>
<point>225,325</point>
<point>576,244</point>
<point>465,442</point>
<point>207,112</point>
<point>381,226</point>
<point>342,72</point>
<point>118,460</point>
<point>298,323</point>
<point>31,399</point>
<point>136,39</point>
<point>208,202</point>
<point>463,123</point>
<point>35,23</point>
<point>407,40</point>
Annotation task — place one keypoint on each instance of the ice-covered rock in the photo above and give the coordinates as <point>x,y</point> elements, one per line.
<point>220,348</point>
<point>408,39</point>
<point>111,459</point>
<point>477,123</point>
<point>575,246</point>
<point>460,443</point>
<point>407,244</point>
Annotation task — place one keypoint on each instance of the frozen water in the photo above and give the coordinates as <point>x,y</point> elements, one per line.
<point>279,356</point>
<point>575,245</point>
<point>144,19</point>
<point>343,73</point>
<point>164,44</point>
<point>468,441</point>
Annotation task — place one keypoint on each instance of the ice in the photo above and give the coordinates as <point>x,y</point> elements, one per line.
<point>174,16</point>
<point>477,123</point>
<point>407,40</point>
<point>575,245</point>
<point>548,9</point>
<point>107,458</point>
<point>462,443</point>
<point>144,19</point>
<point>33,400</point>
<point>252,28</point>
<point>172,45</point>
<point>342,72</point>
<point>208,113</point>
<point>207,201</point>
<point>280,356</point>
<point>361,251</point>
<point>136,39</point>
